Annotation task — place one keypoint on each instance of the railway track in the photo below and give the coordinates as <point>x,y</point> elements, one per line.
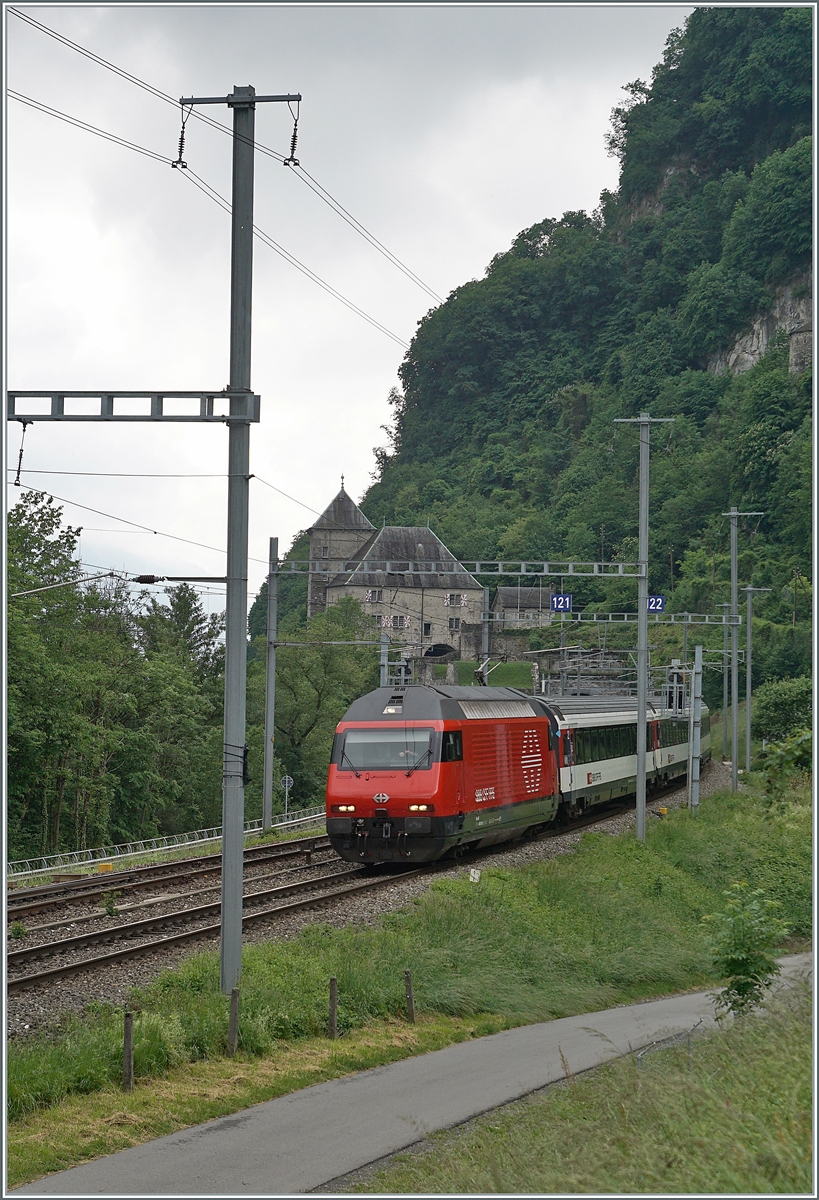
<point>357,880</point>
<point>24,902</point>
<point>320,890</point>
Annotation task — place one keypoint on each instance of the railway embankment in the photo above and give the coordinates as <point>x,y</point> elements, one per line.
<point>542,934</point>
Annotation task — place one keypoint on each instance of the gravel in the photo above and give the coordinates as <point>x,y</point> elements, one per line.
<point>42,1007</point>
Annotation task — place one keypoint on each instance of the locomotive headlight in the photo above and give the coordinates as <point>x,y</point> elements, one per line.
<point>422,808</point>
<point>342,808</point>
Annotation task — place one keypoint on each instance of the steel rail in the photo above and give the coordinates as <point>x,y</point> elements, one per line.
<point>55,894</point>
<point>23,981</point>
<point>146,924</point>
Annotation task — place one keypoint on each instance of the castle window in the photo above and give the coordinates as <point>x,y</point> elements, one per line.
<point>373,595</point>
<point>325,552</point>
<point>399,622</point>
<point>454,624</point>
<point>455,600</point>
<point>427,628</point>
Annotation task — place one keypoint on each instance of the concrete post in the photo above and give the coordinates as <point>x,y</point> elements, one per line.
<point>696,706</point>
<point>233,790</point>
<point>270,684</point>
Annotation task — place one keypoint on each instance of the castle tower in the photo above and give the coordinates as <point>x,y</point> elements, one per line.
<point>341,530</point>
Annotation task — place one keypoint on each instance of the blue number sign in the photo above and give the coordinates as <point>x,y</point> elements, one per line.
<point>656,603</point>
<point>562,602</point>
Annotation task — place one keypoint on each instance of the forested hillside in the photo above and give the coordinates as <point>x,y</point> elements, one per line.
<point>503,438</point>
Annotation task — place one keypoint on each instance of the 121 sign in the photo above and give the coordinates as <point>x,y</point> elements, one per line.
<point>562,602</point>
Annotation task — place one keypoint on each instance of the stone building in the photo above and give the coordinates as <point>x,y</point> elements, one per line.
<point>418,610</point>
<point>513,607</point>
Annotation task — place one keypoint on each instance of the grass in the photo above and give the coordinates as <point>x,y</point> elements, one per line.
<point>509,674</point>
<point>736,1118</point>
<point>612,922</point>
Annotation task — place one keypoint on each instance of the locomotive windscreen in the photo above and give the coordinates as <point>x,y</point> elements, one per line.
<point>388,749</point>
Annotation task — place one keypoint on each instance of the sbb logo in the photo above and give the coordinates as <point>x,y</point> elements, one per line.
<point>381,797</point>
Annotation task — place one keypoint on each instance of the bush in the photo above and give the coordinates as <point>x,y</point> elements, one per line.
<point>781,707</point>
<point>742,945</point>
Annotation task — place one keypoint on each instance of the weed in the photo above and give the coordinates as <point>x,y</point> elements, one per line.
<point>17,930</point>
<point>109,900</point>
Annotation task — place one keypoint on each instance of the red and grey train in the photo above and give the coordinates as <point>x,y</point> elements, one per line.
<point>418,772</point>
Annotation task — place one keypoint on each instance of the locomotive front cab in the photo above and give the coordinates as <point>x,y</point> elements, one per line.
<point>390,790</point>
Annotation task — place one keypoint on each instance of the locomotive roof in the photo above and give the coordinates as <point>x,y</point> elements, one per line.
<point>429,702</point>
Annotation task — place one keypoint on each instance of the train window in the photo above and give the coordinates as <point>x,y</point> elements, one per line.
<point>705,727</point>
<point>582,745</point>
<point>567,748</point>
<point>594,745</point>
<point>387,749</point>
<point>452,748</point>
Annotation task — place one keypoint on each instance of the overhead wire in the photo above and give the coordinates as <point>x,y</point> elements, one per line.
<point>304,176</point>
<point>126,474</point>
<point>204,187</point>
<point>225,204</point>
<point>136,524</point>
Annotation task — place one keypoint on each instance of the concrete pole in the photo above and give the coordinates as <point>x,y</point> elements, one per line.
<point>642,626</point>
<point>734,655</point>
<point>233,791</point>
<point>749,593</point>
<point>696,705</point>
<point>724,679</point>
<point>270,684</point>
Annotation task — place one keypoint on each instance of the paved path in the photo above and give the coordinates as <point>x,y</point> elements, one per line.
<point>306,1139</point>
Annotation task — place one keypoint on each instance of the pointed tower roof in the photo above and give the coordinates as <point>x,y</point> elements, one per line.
<point>342,513</point>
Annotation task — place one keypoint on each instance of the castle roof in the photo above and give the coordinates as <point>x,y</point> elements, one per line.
<point>398,546</point>
<point>342,513</point>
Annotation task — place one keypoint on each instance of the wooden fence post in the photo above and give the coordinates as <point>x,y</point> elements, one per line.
<point>128,1053</point>
<point>233,1023</point>
<point>410,997</point>
<point>332,1025</point>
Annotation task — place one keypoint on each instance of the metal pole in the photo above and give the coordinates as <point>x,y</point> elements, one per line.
<point>642,627</point>
<point>696,748</point>
<point>645,422</point>
<point>270,684</point>
<point>724,679</point>
<point>734,514</point>
<point>734,655</point>
<point>233,791</point>
<point>384,680</point>
<point>749,593</point>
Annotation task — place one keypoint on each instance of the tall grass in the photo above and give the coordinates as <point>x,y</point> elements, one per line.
<point>616,920</point>
<point>736,1118</point>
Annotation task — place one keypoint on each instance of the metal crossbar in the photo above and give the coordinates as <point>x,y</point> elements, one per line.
<point>336,566</point>
<point>76,858</point>
<point>208,403</point>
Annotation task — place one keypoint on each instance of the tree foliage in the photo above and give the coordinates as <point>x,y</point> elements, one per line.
<point>114,701</point>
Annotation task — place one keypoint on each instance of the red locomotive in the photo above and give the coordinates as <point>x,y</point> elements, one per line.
<point>419,771</point>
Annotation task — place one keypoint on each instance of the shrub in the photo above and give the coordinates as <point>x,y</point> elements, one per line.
<point>781,707</point>
<point>742,945</point>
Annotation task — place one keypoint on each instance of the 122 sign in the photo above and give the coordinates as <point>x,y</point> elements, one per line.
<point>656,603</point>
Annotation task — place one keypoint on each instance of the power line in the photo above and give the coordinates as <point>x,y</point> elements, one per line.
<point>122,474</point>
<point>109,137</point>
<point>360,229</point>
<point>125,521</point>
<point>300,173</point>
<point>212,194</point>
<point>224,204</point>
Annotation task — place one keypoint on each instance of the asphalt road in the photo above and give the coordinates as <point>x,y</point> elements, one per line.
<point>309,1138</point>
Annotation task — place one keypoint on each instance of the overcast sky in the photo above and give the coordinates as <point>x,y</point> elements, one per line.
<point>444,130</point>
